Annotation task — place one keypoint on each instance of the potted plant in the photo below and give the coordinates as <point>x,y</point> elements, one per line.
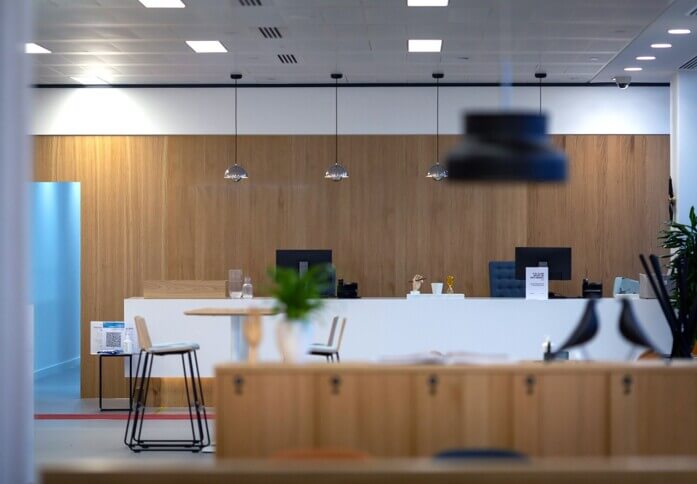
<point>297,297</point>
<point>681,239</point>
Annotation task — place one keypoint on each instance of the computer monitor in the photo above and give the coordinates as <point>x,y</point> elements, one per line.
<point>557,259</point>
<point>302,260</point>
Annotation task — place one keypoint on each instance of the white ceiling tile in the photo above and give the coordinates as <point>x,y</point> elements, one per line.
<point>365,37</point>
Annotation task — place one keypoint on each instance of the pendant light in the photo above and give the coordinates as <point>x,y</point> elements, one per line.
<point>336,172</point>
<point>235,172</point>
<point>437,172</point>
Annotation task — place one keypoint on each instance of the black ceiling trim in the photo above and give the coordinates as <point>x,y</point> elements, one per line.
<point>360,84</point>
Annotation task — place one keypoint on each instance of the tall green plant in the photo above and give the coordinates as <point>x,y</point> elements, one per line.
<point>682,240</point>
<point>297,296</point>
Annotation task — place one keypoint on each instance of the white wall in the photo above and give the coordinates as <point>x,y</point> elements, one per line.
<point>362,110</point>
<point>683,159</point>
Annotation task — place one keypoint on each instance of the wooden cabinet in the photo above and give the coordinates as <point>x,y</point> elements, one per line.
<point>653,412</point>
<point>561,414</point>
<point>556,410</point>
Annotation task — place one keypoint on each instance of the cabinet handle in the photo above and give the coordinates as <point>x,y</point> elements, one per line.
<point>530,382</point>
<point>239,385</point>
<point>627,382</point>
<point>432,385</point>
<point>335,383</point>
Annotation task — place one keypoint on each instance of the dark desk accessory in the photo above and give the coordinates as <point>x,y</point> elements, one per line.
<point>682,320</point>
<point>549,356</point>
<point>591,289</point>
<point>631,330</point>
<point>347,290</point>
<point>585,330</point>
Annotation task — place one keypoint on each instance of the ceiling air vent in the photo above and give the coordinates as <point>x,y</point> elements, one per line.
<point>287,59</point>
<point>692,12</point>
<point>270,32</point>
<point>689,65</point>
<point>250,3</point>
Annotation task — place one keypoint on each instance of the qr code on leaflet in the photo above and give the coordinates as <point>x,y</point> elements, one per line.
<point>113,339</point>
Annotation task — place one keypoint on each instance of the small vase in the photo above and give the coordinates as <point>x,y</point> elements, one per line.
<point>293,339</point>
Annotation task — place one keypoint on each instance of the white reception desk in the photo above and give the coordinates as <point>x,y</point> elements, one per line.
<point>396,326</point>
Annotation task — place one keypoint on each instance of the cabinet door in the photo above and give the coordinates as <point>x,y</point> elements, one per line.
<point>438,414</point>
<point>487,411</point>
<point>561,414</point>
<point>370,412</point>
<point>259,414</point>
<point>654,413</point>
<point>337,397</point>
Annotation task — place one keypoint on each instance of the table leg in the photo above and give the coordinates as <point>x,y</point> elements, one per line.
<point>239,346</point>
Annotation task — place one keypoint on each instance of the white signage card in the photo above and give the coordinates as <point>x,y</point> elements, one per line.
<point>109,336</point>
<point>536,282</point>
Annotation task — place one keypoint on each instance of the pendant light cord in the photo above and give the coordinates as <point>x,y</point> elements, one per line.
<point>540,95</point>
<point>236,138</point>
<point>437,120</point>
<point>336,120</point>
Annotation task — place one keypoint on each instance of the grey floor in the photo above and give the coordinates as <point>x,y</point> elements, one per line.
<point>57,440</point>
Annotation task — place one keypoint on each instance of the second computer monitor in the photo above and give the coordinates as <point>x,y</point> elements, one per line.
<point>557,259</point>
<point>301,260</point>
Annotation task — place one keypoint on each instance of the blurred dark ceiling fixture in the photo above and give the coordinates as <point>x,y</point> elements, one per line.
<point>506,146</point>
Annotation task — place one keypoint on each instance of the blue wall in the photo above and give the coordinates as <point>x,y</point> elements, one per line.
<point>55,266</point>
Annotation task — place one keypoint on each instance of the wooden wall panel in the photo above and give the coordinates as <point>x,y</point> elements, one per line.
<point>157,207</point>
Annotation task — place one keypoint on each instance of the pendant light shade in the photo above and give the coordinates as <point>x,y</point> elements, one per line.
<point>235,172</point>
<point>336,172</point>
<point>506,146</point>
<point>437,172</point>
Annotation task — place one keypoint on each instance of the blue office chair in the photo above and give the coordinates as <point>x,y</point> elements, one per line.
<point>502,281</point>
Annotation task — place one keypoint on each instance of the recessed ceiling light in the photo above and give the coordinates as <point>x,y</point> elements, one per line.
<point>646,57</point>
<point>206,46</point>
<point>90,80</point>
<point>633,69</point>
<point>661,46</point>
<point>427,3</point>
<point>679,31</point>
<point>32,48</point>
<point>425,45</point>
<point>162,3</point>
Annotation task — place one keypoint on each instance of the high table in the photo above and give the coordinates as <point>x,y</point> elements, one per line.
<point>238,346</point>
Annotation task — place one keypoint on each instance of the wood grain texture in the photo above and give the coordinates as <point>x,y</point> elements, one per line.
<point>158,208</point>
<point>184,289</point>
<point>382,471</point>
<point>403,411</point>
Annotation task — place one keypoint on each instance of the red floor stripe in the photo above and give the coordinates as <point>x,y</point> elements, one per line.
<point>112,416</point>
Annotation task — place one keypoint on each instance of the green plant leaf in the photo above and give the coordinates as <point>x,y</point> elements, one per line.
<point>297,296</point>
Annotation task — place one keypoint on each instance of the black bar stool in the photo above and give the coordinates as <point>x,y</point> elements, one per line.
<point>194,396</point>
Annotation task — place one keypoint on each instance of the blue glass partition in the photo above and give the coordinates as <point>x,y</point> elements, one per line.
<point>55,271</point>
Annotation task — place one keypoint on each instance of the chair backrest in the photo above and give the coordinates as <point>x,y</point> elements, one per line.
<point>484,453</point>
<point>341,334</point>
<point>332,331</point>
<point>502,281</point>
<point>143,335</point>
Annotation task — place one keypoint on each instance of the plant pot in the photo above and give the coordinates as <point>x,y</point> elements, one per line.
<point>293,339</point>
